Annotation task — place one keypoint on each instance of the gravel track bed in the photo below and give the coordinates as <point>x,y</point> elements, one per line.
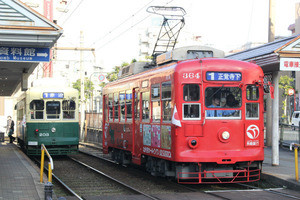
<point>84,181</point>
<point>132,176</point>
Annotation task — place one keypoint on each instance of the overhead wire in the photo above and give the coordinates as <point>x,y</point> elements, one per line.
<point>127,29</point>
<point>72,13</point>
<point>123,22</point>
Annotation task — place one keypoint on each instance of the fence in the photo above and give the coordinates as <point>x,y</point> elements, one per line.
<point>289,134</point>
<point>93,125</point>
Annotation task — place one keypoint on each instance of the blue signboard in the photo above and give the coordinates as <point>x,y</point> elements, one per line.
<point>24,54</point>
<point>53,95</point>
<point>223,76</point>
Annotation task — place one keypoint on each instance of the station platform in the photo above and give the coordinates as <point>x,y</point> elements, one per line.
<point>284,174</point>
<point>19,177</point>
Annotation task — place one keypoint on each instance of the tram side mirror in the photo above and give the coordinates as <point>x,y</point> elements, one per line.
<point>269,88</point>
<point>272,91</point>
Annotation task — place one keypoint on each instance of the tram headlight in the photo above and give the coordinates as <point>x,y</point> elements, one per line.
<point>225,135</point>
<point>193,143</point>
<point>53,130</point>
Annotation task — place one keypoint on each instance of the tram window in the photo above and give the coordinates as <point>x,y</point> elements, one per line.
<point>191,92</point>
<point>116,106</point>
<point>166,101</point>
<point>155,100</point>
<point>191,111</point>
<point>229,97</point>
<point>68,107</point>
<point>105,104</point>
<point>252,110</point>
<point>155,92</point>
<point>52,109</point>
<point>137,106</point>
<point>128,104</point>
<point>110,106</point>
<point>146,106</point>
<point>252,92</point>
<point>122,106</point>
<point>37,109</point>
<point>223,97</point>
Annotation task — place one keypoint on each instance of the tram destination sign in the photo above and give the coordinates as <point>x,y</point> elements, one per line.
<point>223,76</point>
<point>24,54</point>
<point>53,95</point>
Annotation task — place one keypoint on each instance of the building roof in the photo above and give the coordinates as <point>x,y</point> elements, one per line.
<point>263,50</point>
<point>22,28</point>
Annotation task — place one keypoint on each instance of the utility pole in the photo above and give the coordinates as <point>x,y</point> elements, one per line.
<point>273,110</point>
<point>82,98</point>
<point>271,38</point>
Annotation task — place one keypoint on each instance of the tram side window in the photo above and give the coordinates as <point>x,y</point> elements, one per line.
<point>191,92</point>
<point>146,106</point>
<point>122,106</point>
<point>191,111</point>
<point>52,109</point>
<point>110,106</point>
<point>137,106</point>
<point>68,107</point>
<point>129,104</point>
<point>166,101</point>
<point>37,109</point>
<point>116,106</point>
<point>105,104</point>
<point>252,110</point>
<point>252,92</point>
<point>155,98</point>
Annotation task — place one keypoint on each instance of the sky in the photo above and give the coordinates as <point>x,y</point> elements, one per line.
<point>112,27</point>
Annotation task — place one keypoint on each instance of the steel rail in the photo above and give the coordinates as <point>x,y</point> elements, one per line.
<point>62,183</point>
<point>115,180</point>
<point>204,192</point>
<point>270,190</point>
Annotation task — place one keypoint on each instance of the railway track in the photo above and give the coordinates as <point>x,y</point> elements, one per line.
<point>225,191</point>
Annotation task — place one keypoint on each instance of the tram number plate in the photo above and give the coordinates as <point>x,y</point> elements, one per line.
<point>191,75</point>
<point>44,134</point>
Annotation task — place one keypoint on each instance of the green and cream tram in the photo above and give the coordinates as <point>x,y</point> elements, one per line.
<point>48,116</point>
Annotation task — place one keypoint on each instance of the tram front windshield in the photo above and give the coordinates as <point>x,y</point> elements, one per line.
<point>53,109</point>
<point>228,98</point>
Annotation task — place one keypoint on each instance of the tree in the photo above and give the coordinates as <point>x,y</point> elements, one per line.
<point>88,87</point>
<point>112,76</point>
<point>285,83</point>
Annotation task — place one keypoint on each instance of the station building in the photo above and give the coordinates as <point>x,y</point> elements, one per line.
<point>26,39</point>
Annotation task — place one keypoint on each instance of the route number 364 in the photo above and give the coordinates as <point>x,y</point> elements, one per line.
<point>191,75</point>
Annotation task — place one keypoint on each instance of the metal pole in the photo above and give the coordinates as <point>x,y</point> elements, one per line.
<point>42,165</point>
<point>275,127</point>
<point>82,113</point>
<point>298,133</point>
<point>296,163</point>
<point>271,38</point>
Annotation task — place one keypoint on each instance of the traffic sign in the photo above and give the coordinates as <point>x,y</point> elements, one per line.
<point>291,91</point>
<point>24,54</point>
<point>101,77</point>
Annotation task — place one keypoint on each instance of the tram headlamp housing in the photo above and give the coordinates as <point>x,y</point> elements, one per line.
<point>225,135</point>
<point>193,143</point>
<point>53,130</point>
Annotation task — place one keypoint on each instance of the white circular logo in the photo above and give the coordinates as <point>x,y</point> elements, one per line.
<point>252,131</point>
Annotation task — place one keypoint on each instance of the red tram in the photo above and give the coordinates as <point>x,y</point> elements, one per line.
<point>196,120</point>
